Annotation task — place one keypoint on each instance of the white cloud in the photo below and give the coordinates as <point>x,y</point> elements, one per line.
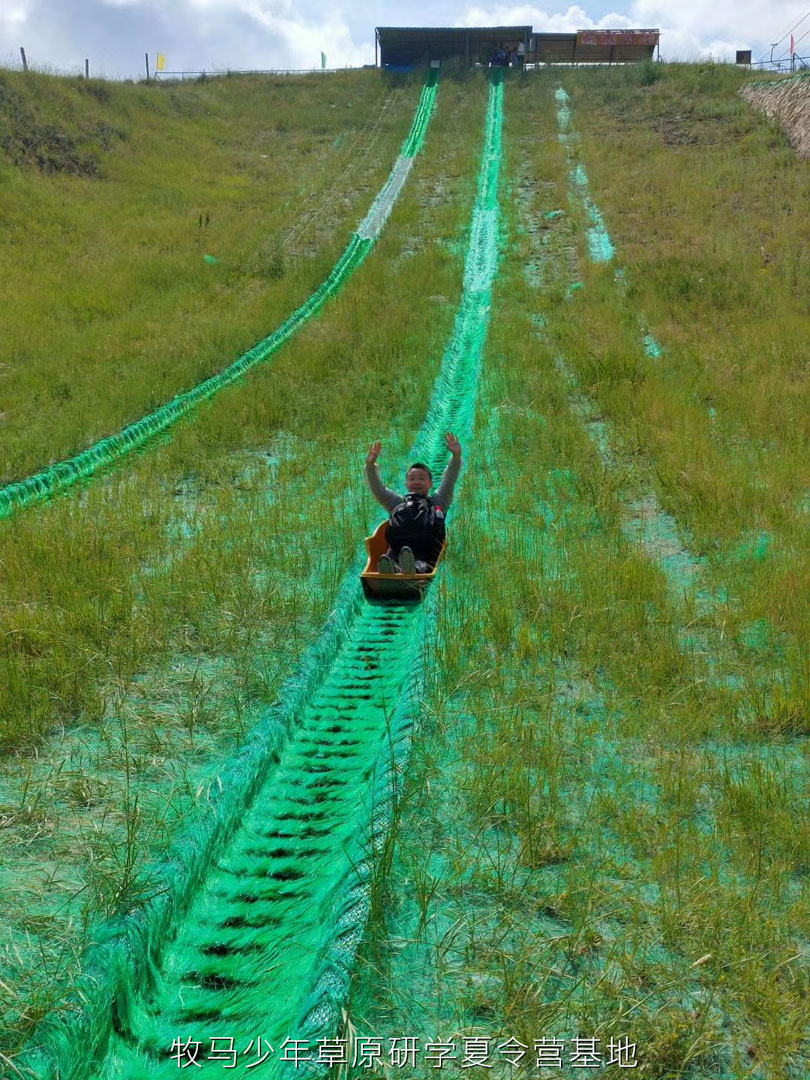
<point>575,18</point>
<point>193,35</point>
<point>305,38</point>
<point>690,29</point>
<point>693,28</point>
<point>291,33</point>
<point>13,14</point>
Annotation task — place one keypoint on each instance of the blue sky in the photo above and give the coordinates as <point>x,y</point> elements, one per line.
<point>220,34</point>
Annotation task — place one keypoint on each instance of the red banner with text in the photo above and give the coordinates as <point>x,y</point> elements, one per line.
<point>617,37</point>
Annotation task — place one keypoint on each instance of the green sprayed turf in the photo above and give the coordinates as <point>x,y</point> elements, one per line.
<point>267,946</point>
<point>57,478</point>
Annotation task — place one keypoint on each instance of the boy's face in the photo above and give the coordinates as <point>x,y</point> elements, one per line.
<point>417,482</point>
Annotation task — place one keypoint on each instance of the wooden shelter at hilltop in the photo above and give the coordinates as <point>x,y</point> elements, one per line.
<point>593,47</point>
<point>406,47</point>
<point>412,46</point>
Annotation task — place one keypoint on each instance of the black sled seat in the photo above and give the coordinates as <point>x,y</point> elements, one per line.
<point>405,586</point>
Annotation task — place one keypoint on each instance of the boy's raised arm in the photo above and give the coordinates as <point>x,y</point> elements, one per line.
<point>384,495</point>
<point>444,494</point>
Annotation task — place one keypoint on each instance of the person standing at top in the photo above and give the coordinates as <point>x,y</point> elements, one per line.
<point>499,57</point>
<point>416,526</point>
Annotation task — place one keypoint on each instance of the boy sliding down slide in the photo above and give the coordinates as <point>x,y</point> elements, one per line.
<point>416,525</point>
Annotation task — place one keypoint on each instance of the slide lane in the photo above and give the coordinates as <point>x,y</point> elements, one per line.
<point>266,945</point>
<point>57,478</point>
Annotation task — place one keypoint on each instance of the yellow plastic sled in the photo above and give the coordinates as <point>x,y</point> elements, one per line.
<point>406,586</point>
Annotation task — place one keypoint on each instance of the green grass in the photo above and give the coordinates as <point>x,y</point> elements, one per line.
<point>686,173</point>
<point>599,835</point>
<point>149,618</point>
<point>604,830</point>
<point>112,308</point>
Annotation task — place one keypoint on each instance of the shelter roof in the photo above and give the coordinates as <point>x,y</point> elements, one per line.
<point>594,46</point>
<point>409,44</point>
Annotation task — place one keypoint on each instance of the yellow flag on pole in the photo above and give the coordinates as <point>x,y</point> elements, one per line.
<point>161,62</point>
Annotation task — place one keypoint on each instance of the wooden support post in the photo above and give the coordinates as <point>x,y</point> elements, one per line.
<point>467,47</point>
<point>147,67</point>
<point>25,62</point>
<point>86,68</point>
<point>376,43</point>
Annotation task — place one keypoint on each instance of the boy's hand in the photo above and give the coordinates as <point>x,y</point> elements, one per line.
<point>453,445</point>
<point>373,453</point>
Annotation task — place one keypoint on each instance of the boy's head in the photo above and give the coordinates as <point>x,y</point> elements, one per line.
<point>418,479</point>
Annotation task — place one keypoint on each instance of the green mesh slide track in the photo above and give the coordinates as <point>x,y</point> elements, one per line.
<point>262,945</point>
<point>56,478</point>
<point>293,879</point>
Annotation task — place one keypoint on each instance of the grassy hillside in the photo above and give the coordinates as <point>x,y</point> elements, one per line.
<point>705,201</point>
<point>112,194</point>
<point>149,620</point>
<point>604,828</point>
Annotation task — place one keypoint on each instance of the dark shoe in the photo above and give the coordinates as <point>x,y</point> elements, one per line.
<point>386,565</point>
<point>407,562</point>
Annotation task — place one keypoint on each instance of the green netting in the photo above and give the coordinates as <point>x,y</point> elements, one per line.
<point>414,141</point>
<point>778,84</point>
<point>600,246</point>
<point>122,962</point>
<point>373,223</point>
<point>452,407</point>
<point>56,478</point>
<point>265,930</point>
<point>648,524</point>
